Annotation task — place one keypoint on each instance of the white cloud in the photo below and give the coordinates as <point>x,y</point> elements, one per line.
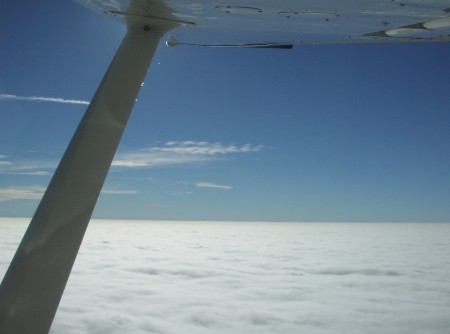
<point>212,185</point>
<point>233,277</point>
<point>41,99</point>
<point>118,192</point>
<point>27,167</point>
<point>180,193</point>
<point>35,173</point>
<point>21,193</point>
<point>3,161</point>
<point>176,153</point>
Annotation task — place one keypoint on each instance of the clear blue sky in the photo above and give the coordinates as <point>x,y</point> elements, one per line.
<point>317,133</point>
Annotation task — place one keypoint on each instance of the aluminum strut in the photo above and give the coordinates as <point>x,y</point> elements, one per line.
<point>34,283</point>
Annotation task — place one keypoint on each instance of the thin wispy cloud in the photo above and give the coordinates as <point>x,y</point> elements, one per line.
<point>118,192</point>
<point>11,97</point>
<point>34,173</point>
<point>21,193</point>
<point>26,167</point>
<point>177,153</point>
<point>36,193</point>
<point>4,162</point>
<point>212,185</point>
<point>180,193</point>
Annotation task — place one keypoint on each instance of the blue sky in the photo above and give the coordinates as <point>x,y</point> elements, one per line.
<point>317,133</point>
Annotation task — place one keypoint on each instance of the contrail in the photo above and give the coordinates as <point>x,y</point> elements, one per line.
<point>40,99</point>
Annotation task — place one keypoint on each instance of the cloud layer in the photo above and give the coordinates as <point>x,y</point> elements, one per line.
<point>177,153</point>
<point>41,99</point>
<point>191,277</point>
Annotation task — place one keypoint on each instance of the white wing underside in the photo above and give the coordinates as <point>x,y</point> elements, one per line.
<point>290,21</point>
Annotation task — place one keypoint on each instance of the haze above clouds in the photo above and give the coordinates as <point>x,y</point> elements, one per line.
<point>191,277</point>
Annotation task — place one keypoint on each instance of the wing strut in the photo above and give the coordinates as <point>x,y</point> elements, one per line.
<point>34,283</point>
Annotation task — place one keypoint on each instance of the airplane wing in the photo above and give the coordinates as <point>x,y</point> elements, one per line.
<point>34,283</point>
<point>290,21</point>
